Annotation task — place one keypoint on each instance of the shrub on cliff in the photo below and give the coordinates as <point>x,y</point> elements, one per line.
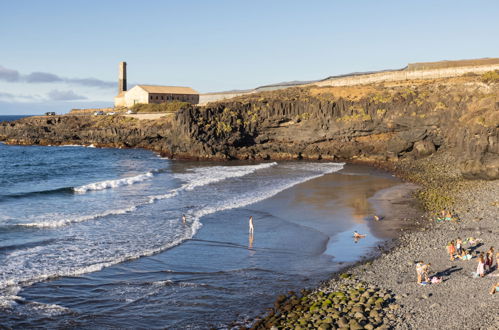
<point>167,107</point>
<point>491,76</point>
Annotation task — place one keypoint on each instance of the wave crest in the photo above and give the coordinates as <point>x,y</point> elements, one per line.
<point>101,185</point>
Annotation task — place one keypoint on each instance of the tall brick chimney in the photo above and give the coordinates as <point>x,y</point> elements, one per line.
<point>122,78</point>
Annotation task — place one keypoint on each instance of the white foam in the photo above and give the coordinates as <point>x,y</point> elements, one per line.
<point>113,183</point>
<point>171,194</point>
<point>242,201</point>
<point>66,221</point>
<point>48,309</point>
<point>93,251</point>
<point>163,283</point>
<point>9,296</point>
<point>46,274</point>
<point>206,175</point>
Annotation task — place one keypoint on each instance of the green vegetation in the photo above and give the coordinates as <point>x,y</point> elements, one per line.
<point>303,116</point>
<point>491,76</point>
<point>381,98</point>
<point>381,112</point>
<point>168,107</point>
<point>440,106</point>
<point>358,114</point>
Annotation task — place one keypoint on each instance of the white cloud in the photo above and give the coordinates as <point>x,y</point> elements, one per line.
<point>68,95</point>
<point>11,75</point>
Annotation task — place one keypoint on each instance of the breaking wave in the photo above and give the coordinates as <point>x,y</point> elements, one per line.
<point>206,175</point>
<point>113,183</point>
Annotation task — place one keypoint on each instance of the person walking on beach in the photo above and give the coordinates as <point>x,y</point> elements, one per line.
<point>251,227</point>
<point>481,265</point>
<point>451,249</point>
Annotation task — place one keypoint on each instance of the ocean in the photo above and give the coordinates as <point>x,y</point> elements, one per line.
<point>93,237</point>
<point>12,117</point>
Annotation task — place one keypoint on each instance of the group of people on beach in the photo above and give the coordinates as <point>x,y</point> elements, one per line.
<point>445,215</point>
<point>456,250</point>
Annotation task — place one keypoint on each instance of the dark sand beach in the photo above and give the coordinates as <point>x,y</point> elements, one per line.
<point>461,301</point>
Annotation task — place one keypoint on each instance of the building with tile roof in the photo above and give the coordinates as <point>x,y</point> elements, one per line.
<point>150,93</point>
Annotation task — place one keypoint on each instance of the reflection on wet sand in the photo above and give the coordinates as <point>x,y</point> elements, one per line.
<point>351,198</point>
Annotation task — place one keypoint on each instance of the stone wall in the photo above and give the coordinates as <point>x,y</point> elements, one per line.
<point>213,97</point>
<point>406,75</point>
<point>414,71</point>
<point>452,64</point>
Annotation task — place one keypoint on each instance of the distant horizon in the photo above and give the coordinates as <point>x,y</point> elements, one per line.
<point>211,47</point>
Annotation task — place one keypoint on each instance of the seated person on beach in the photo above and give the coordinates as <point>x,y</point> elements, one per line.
<point>445,215</point>
<point>441,216</point>
<point>472,240</point>
<point>436,279</point>
<point>357,235</point>
<point>494,289</point>
<point>465,255</point>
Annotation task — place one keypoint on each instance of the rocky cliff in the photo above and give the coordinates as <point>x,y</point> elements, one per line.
<point>370,122</point>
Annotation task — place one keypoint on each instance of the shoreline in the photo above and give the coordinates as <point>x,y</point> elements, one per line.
<point>435,174</point>
<point>304,190</point>
<point>406,304</point>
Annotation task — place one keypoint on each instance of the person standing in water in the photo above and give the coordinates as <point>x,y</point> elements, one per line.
<point>251,227</point>
<point>184,219</point>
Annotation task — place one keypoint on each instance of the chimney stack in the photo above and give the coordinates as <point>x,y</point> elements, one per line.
<point>122,78</point>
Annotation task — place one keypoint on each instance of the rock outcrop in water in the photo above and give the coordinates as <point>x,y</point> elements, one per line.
<point>370,123</point>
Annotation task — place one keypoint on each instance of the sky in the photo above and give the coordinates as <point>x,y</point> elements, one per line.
<point>59,55</point>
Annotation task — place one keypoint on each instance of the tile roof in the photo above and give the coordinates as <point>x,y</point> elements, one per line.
<point>168,89</point>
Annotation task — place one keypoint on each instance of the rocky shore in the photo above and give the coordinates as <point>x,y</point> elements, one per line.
<point>383,293</point>
<point>371,123</point>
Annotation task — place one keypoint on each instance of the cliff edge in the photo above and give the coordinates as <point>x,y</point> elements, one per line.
<point>376,122</point>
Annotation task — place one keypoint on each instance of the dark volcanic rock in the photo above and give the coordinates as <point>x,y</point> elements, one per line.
<point>381,124</point>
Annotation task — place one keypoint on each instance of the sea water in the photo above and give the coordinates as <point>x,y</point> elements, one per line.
<point>94,238</point>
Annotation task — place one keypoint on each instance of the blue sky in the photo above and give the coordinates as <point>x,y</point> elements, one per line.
<point>58,55</point>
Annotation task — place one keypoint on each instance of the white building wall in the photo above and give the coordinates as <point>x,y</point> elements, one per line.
<point>136,95</point>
